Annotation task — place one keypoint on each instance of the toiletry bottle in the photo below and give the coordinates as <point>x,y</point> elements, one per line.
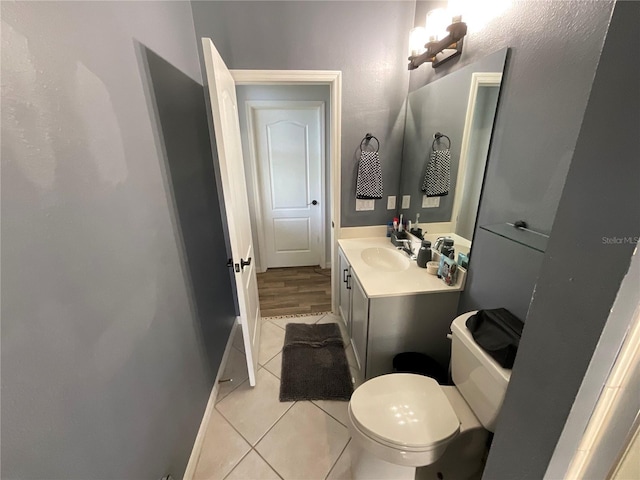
<point>447,246</point>
<point>424,254</point>
<point>389,228</point>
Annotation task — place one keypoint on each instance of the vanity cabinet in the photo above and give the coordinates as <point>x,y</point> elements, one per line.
<point>381,326</point>
<point>409,323</point>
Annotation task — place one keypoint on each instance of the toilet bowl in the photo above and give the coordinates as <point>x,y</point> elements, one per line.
<point>402,421</point>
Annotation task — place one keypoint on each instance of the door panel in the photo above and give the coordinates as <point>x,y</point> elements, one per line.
<point>359,322</point>
<point>287,157</point>
<point>230,169</point>
<point>289,145</point>
<point>292,234</point>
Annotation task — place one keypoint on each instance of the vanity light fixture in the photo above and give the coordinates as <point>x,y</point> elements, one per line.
<point>439,47</point>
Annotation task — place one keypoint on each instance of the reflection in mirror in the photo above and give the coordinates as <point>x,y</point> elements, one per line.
<point>462,106</point>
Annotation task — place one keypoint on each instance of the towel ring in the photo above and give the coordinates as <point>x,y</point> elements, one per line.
<point>437,137</point>
<point>367,138</point>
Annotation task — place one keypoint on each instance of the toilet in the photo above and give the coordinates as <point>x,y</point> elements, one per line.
<point>402,421</point>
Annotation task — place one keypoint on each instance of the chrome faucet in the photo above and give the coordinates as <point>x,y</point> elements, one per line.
<point>406,248</point>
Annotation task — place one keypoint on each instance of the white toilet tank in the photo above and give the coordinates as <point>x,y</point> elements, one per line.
<point>479,378</point>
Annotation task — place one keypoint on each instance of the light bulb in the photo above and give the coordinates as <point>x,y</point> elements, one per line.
<point>437,22</point>
<point>417,39</point>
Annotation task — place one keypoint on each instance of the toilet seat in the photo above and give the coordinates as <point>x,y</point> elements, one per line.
<point>404,411</point>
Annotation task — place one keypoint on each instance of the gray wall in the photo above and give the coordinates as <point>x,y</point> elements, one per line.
<point>368,41</point>
<point>582,269</point>
<point>440,106</point>
<point>542,103</point>
<point>115,297</point>
<point>285,92</point>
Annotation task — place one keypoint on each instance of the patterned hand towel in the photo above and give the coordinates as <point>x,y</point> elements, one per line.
<point>369,184</point>
<point>437,179</point>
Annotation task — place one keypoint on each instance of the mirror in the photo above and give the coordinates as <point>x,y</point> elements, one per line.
<point>462,105</point>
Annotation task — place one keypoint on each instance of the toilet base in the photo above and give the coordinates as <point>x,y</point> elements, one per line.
<point>365,466</point>
<point>463,459</point>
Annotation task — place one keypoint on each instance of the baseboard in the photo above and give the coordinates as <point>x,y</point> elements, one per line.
<point>197,444</point>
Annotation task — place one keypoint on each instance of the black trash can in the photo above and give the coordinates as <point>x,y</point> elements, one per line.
<point>414,362</point>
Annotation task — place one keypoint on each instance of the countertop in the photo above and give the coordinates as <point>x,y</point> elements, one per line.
<point>378,283</point>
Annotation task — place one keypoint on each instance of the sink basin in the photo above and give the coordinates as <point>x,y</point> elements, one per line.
<point>385,259</point>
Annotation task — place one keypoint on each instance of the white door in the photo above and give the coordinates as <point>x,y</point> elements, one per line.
<point>289,145</point>
<point>222,90</point>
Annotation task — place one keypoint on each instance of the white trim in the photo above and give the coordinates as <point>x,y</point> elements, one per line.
<point>622,379</point>
<point>478,79</point>
<point>251,106</point>
<point>333,78</point>
<point>285,77</point>
<point>199,441</point>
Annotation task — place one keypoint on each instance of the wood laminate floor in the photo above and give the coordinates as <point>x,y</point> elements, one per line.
<point>294,290</point>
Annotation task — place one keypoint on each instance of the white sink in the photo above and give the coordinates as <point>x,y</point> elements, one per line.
<point>385,259</point>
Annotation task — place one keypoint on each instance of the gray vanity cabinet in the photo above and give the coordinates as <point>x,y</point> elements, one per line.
<point>359,323</point>
<point>409,323</point>
<point>380,327</point>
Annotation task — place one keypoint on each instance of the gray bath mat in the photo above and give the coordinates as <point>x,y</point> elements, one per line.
<point>314,364</point>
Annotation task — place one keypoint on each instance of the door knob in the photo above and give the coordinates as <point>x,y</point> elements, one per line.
<point>315,202</point>
<point>244,264</point>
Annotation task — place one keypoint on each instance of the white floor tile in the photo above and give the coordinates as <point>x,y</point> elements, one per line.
<point>342,468</point>
<point>304,444</point>
<point>271,342</point>
<point>236,370</point>
<point>223,447</point>
<point>337,409</point>
<point>282,322</point>
<point>238,340</point>
<point>253,467</point>
<point>275,365</point>
<point>253,410</point>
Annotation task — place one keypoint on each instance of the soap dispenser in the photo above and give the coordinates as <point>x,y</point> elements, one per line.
<point>424,254</point>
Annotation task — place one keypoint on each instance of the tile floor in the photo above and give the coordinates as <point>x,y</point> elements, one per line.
<point>254,436</point>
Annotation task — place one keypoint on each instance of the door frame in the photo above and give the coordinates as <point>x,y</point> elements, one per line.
<point>332,78</point>
<point>478,80</point>
<point>252,106</point>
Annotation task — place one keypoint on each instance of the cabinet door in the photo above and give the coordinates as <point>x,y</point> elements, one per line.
<point>359,323</point>
<point>345,291</point>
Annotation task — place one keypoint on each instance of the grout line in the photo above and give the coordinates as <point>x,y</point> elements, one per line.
<point>274,424</point>
<point>261,437</point>
<point>314,402</point>
<point>265,461</point>
<point>241,436</point>
<point>239,461</point>
<point>269,321</point>
<point>271,358</point>
<point>338,459</point>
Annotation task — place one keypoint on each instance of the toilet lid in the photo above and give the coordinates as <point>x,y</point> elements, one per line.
<point>405,410</point>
